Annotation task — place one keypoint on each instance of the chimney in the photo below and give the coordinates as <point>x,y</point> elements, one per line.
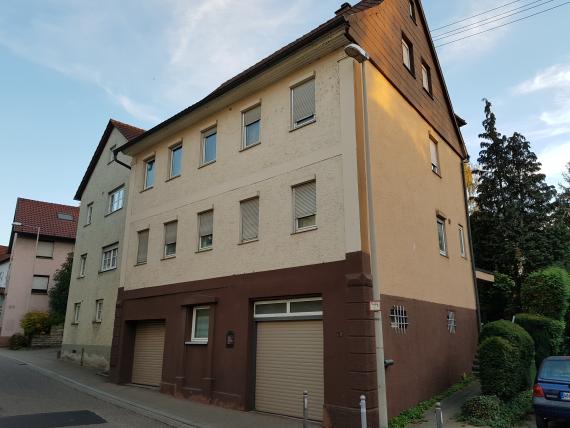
<point>343,8</point>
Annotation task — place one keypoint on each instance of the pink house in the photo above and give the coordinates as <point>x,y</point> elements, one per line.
<point>42,235</point>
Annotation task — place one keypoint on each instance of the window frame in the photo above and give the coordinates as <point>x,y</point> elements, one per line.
<point>412,10</point>
<point>451,322</point>
<point>243,240</point>
<point>147,230</point>
<point>200,248</point>
<point>244,146</point>
<point>107,249</point>
<point>212,130</point>
<point>399,319</point>
<point>165,245</point>
<point>462,251</point>
<point>40,290</point>
<point>98,311</point>
<point>308,120</point>
<point>89,214</point>
<point>76,313</point>
<point>296,228</point>
<point>152,160</point>
<point>171,150</point>
<point>410,49</point>
<point>112,154</point>
<point>287,313</point>
<point>82,265</point>
<point>441,221</point>
<point>436,169</point>
<point>427,70</point>
<point>52,249</point>
<point>199,340</point>
<point>117,190</point>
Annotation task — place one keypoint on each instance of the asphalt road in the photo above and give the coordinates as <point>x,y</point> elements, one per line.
<point>28,399</point>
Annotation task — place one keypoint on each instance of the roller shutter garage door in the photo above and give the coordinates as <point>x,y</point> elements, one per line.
<point>148,353</point>
<point>289,360</point>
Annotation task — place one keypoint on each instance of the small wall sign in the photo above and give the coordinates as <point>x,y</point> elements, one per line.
<point>374,306</point>
<point>230,339</point>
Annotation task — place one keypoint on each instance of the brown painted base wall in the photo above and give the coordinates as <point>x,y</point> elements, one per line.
<point>428,358</point>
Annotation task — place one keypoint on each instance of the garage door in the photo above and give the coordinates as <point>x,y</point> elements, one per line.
<point>289,361</point>
<point>148,354</point>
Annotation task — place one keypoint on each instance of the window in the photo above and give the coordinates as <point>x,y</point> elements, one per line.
<point>149,173</point>
<point>412,10</point>
<point>303,103</point>
<point>441,236</point>
<point>76,310</point>
<point>312,306</point>
<point>206,230</point>
<point>305,205</point>
<point>434,152</point>
<point>176,161</point>
<point>64,216</point>
<point>82,265</point>
<point>116,199</point>
<point>451,323</point>
<point>99,310</point>
<point>170,230</point>
<point>109,259</point>
<point>200,324</point>
<point>89,214</point>
<point>251,127</point>
<point>209,146</point>
<point>142,250</point>
<point>45,249</point>
<point>399,319</point>
<point>40,284</point>
<point>426,78</point>
<point>249,219</point>
<point>408,54</point>
<point>111,154</point>
<point>461,241</point>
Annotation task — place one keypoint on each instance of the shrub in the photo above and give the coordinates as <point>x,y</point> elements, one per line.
<point>545,292</point>
<point>18,341</point>
<point>481,409</point>
<point>499,367</point>
<point>35,323</point>
<point>485,410</point>
<point>496,299</point>
<point>547,333</point>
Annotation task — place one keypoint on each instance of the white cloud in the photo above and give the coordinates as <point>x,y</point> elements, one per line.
<point>557,76</point>
<point>554,159</point>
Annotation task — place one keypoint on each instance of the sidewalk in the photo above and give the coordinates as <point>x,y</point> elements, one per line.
<point>145,401</point>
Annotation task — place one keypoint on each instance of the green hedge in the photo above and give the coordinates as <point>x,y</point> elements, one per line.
<point>496,298</point>
<point>481,409</point>
<point>485,410</point>
<point>545,292</point>
<point>499,368</point>
<point>518,337</point>
<point>35,322</point>
<point>547,333</point>
<point>18,341</point>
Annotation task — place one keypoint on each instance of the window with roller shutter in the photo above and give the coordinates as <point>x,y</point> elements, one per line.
<point>251,127</point>
<point>305,206</point>
<point>303,103</point>
<point>142,250</point>
<point>170,231</point>
<point>249,220</point>
<point>206,230</point>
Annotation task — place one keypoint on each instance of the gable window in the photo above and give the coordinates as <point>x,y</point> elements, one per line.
<point>76,310</point>
<point>116,200</point>
<point>176,161</point>
<point>434,153</point>
<point>408,54</point>
<point>249,210</point>
<point>303,103</point>
<point>209,141</point>
<point>64,216</point>
<point>461,242</point>
<point>442,240</point>
<point>170,231</point>
<point>109,257</point>
<point>200,325</point>
<point>451,322</point>
<point>206,230</point>
<point>149,173</point>
<point>399,319</point>
<point>142,249</point>
<point>412,10</point>
<point>426,78</point>
<point>82,265</point>
<point>252,127</point>
<point>111,154</point>
<point>40,284</point>
<point>305,206</point>
<point>304,307</point>
<point>89,214</point>
<point>45,250</point>
<point>99,310</point>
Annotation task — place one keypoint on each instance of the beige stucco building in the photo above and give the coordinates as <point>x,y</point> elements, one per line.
<point>103,194</point>
<point>245,277</point>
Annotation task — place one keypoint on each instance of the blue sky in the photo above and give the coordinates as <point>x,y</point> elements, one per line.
<point>67,66</point>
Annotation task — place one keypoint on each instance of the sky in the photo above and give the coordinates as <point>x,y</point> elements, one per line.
<point>67,66</point>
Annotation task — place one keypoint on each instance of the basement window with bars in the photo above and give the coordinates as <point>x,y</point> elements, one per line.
<point>399,319</point>
<point>451,322</point>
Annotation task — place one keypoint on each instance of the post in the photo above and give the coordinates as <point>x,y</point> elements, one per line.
<point>363,422</point>
<point>305,408</point>
<point>438,415</point>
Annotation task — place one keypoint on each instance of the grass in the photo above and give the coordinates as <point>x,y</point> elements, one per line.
<point>416,414</point>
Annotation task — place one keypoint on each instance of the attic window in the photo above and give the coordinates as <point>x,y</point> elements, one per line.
<point>66,217</point>
<point>412,10</point>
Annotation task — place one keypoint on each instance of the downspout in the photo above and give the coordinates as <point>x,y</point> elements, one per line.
<point>116,159</point>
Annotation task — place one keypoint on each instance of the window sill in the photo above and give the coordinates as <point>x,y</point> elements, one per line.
<point>74,323</point>
<point>39,293</point>
<point>146,189</point>
<point>444,255</point>
<point>202,165</point>
<point>436,173</point>
<point>249,241</point>
<point>410,71</point>
<point>204,250</point>
<point>294,128</point>
<point>113,212</point>
<point>87,224</point>
<point>195,342</point>
<point>168,257</point>
<point>251,146</point>
<point>97,322</point>
<point>305,229</point>
<point>44,257</point>
<point>81,277</point>
<point>140,264</point>
<point>428,92</point>
<point>107,270</point>
<point>173,178</point>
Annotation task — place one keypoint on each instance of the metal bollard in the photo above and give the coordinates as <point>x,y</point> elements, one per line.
<point>363,423</point>
<point>305,408</point>
<point>438,415</point>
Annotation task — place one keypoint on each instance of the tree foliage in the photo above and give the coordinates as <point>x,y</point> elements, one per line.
<point>545,292</point>
<point>495,298</point>
<point>58,294</point>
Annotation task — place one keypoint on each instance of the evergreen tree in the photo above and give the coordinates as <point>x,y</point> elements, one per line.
<point>515,205</point>
<point>59,292</point>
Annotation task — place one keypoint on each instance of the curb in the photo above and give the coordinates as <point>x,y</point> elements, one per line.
<point>150,413</point>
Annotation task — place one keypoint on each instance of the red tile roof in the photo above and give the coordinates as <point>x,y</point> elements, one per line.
<point>128,131</point>
<point>47,216</point>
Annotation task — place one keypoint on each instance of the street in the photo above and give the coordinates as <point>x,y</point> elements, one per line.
<point>30,399</point>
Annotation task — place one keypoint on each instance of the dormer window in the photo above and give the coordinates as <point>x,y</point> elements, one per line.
<point>412,10</point>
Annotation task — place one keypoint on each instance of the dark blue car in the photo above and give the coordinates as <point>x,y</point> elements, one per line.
<point>551,392</point>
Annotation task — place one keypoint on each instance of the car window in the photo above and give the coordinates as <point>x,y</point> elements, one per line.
<point>555,370</point>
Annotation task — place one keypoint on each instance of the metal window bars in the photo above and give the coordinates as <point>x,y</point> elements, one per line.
<point>399,319</point>
<point>451,322</point>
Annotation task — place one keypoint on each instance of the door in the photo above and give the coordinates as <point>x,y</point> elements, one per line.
<point>148,353</point>
<point>289,360</point>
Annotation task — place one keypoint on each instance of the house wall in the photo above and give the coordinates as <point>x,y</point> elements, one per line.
<point>88,341</point>
<point>19,298</point>
<point>4,267</point>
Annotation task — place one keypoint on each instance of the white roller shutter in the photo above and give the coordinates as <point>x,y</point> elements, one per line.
<point>289,361</point>
<point>148,354</point>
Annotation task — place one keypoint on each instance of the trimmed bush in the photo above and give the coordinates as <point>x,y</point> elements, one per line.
<point>499,367</point>
<point>481,409</point>
<point>547,333</point>
<point>518,337</point>
<point>18,341</point>
<point>486,410</point>
<point>545,292</point>
<point>496,299</point>
<point>35,323</point>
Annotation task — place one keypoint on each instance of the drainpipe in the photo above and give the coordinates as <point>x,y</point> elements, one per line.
<point>116,159</point>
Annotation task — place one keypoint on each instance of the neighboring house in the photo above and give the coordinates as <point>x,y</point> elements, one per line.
<point>245,278</point>
<point>88,330</point>
<point>42,236</point>
<point>4,267</point>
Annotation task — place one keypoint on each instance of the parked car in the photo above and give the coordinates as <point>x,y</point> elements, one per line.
<point>551,392</point>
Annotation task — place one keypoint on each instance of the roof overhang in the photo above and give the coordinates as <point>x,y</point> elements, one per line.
<point>484,275</point>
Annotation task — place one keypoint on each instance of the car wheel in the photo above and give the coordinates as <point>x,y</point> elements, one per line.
<point>541,422</point>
